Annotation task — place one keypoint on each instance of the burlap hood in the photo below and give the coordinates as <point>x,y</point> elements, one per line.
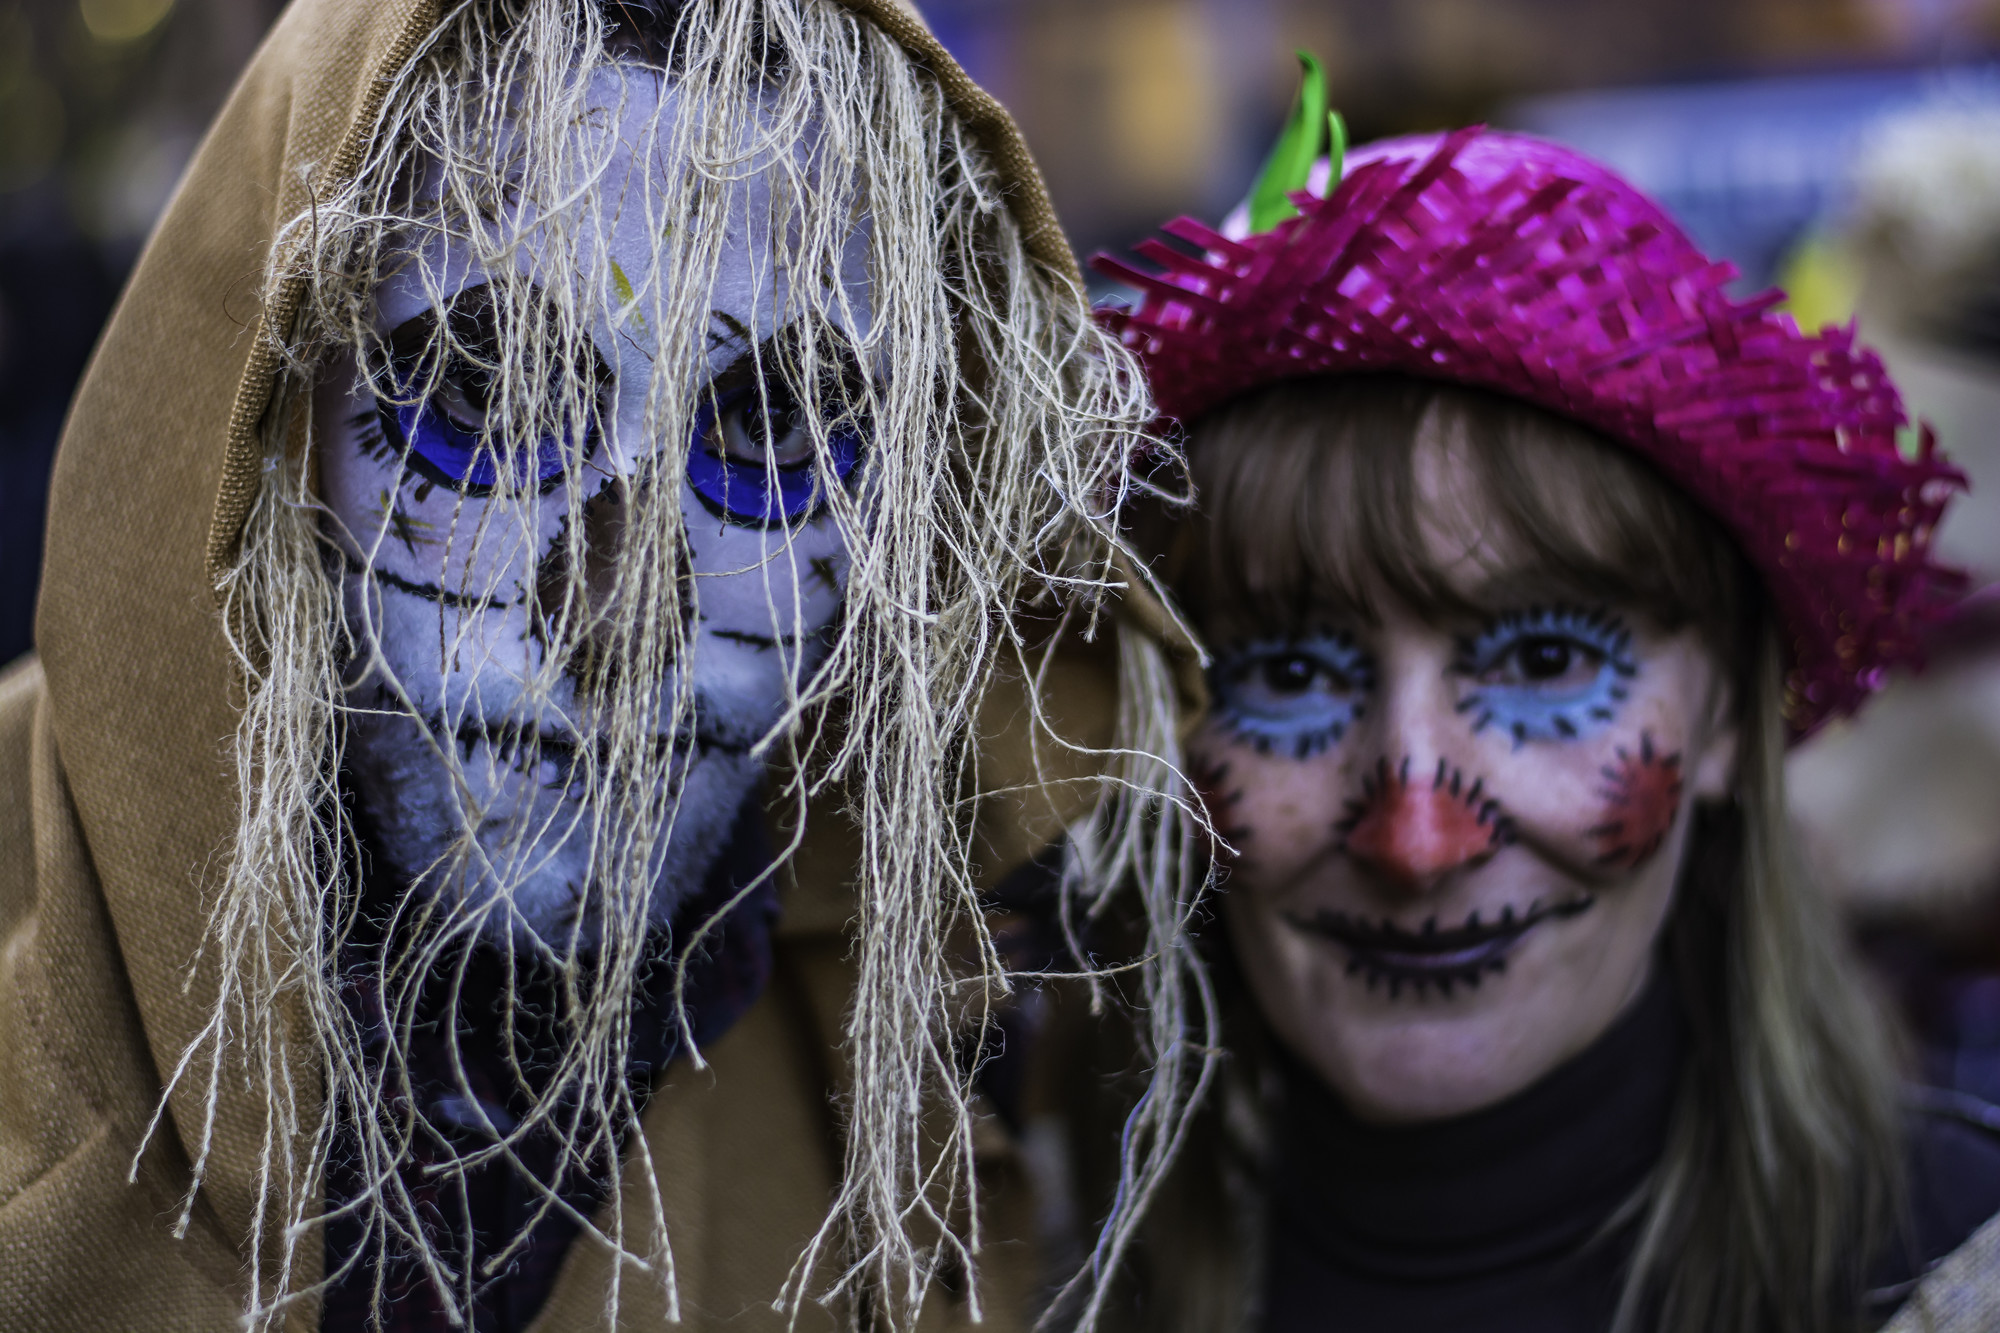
<point>117,791</point>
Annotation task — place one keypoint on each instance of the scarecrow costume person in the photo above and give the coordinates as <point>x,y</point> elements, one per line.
<point>1524,551</point>
<point>587,548</point>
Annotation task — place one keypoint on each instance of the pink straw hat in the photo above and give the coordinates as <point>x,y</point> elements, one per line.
<point>1516,265</point>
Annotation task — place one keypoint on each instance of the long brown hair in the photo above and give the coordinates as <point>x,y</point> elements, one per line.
<point>1782,1172</point>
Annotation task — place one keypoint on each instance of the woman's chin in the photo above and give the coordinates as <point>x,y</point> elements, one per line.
<point>1429,1052</point>
<point>1430,1066</point>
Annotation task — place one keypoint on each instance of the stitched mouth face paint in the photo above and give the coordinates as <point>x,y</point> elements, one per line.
<point>1382,953</point>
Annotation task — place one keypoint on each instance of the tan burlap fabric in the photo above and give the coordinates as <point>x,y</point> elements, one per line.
<point>116,796</point>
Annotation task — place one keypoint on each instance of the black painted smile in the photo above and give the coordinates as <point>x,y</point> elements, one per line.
<point>1385,952</point>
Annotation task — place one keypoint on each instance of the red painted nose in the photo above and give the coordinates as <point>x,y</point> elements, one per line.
<point>1413,832</point>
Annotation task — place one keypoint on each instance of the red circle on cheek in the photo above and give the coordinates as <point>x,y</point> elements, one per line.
<point>1642,799</point>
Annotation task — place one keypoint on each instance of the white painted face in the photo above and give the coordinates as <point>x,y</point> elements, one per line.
<point>457,573</point>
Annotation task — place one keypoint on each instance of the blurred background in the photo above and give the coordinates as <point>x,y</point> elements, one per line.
<point>1849,149</point>
<point>101,104</point>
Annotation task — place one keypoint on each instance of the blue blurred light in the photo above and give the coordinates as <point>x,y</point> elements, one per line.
<point>1747,167</point>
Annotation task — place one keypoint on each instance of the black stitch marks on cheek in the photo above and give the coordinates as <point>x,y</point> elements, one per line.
<point>1305,747</point>
<point>431,592</point>
<point>823,573</point>
<point>763,643</point>
<point>411,532</point>
<point>1211,784</point>
<point>1479,724</point>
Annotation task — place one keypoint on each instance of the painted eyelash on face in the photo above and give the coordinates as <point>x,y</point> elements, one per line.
<point>449,453</point>
<point>371,436</point>
<point>438,422</point>
<point>1547,673</point>
<point>1298,696</point>
<point>753,461</point>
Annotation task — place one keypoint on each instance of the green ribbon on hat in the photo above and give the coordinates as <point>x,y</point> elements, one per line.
<point>1312,130</point>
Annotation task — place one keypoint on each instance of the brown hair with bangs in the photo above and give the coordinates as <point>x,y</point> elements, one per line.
<point>1308,504</point>
<point>1782,1173</point>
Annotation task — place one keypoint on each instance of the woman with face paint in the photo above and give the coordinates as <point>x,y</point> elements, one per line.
<point>559,594</point>
<point>1523,552</point>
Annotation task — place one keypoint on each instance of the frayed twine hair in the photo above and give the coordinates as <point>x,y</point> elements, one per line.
<point>488,122</point>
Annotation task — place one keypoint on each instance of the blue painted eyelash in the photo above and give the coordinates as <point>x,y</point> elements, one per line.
<point>1532,712</point>
<point>373,427</point>
<point>440,451</point>
<point>446,453</point>
<point>758,494</point>
<point>1300,723</point>
<point>453,351</point>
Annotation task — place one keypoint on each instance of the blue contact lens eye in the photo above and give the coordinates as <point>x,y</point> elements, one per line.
<point>449,453</point>
<point>1298,696</point>
<point>753,461</point>
<point>1547,673</point>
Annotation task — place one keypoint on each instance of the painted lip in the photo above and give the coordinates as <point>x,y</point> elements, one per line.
<point>1387,953</point>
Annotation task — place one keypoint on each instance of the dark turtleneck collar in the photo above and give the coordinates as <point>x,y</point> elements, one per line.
<point>1479,1223</point>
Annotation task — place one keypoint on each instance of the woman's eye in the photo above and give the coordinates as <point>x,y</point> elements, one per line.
<point>1549,660</point>
<point>1294,674</point>
<point>1548,673</point>
<point>1289,675</point>
<point>755,460</point>
<point>1300,697</point>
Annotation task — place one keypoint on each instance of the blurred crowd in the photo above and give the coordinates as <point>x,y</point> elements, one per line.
<point>1849,149</point>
